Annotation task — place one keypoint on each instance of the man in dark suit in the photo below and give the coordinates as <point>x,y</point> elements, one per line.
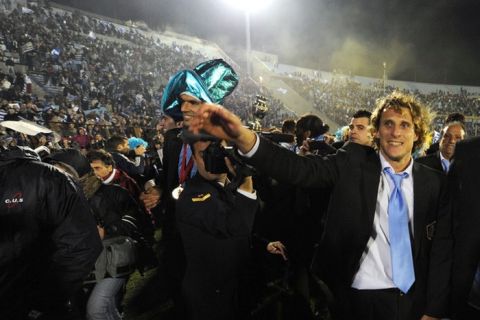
<point>452,133</point>
<point>451,117</point>
<point>464,180</point>
<point>387,245</point>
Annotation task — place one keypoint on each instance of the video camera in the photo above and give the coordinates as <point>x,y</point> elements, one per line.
<point>215,154</point>
<point>260,107</point>
<point>214,157</point>
<point>259,110</point>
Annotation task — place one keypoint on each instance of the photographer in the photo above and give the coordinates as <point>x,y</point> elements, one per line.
<point>310,133</point>
<point>215,224</point>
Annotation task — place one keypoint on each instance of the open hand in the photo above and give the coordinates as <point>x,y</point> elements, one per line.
<point>223,124</point>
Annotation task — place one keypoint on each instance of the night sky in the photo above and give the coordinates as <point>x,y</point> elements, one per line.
<point>424,40</point>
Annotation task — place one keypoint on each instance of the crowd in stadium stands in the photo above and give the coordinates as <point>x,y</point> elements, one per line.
<point>340,98</point>
<point>98,75</point>
<point>110,77</point>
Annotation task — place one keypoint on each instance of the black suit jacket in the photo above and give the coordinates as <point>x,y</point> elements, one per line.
<point>169,178</point>
<point>171,153</point>
<point>464,179</point>
<point>353,173</point>
<point>432,160</point>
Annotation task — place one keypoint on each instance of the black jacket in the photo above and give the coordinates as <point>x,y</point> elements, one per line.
<point>215,226</point>
<point>48,237</point>
<point>117,211</point>
<point>133,169</point>
<point>432,160</point>
<point>464,177</point>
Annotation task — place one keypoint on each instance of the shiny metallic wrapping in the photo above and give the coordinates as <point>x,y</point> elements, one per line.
<point>210,81</point>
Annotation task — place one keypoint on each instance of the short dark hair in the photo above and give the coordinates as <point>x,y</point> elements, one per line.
<point>100,155</point>
<point>114,142</point>
<point>455,117</point>
<point>313,123</point>
<point>362,113</point>
<point>288,126</point>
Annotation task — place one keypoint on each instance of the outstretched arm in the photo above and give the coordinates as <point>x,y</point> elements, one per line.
<point>218,121</point>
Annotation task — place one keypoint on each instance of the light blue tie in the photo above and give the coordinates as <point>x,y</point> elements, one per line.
<point>400,247</point>
<point>445,165</point>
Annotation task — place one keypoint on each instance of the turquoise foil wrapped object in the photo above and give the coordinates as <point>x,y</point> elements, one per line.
<point>210,81</point>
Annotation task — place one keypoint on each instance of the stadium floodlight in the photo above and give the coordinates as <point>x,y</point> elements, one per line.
<point>249,5</point>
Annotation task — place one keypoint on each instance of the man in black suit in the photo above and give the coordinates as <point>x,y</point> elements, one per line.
<point>464,180</point>
<point>361,245</point>
<point>452,133</point>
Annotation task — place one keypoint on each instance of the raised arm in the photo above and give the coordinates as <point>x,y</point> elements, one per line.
<point>218,121</point>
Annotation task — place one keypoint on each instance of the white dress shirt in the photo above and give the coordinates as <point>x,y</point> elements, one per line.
<point>375,270</point>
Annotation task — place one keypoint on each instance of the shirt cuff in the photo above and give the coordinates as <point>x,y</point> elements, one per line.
<point>250,153</point>
<point>250,195</point>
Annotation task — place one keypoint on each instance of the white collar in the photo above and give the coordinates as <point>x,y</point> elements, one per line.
<point>385,165</point>
<point>110,178</point>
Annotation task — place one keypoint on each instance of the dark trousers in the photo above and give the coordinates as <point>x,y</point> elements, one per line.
<point>384,304</point>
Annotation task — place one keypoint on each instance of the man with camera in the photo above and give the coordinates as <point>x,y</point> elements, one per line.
<point>215,224</point>
<point>310,133</point>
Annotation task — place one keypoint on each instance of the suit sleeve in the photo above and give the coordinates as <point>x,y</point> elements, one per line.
<point>285,166</point>
<point>131,168</point>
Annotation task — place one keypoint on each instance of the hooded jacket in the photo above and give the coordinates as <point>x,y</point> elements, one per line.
<point>48,237</point>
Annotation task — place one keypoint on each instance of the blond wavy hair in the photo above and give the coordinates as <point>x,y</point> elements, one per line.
<point>421,115</point>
